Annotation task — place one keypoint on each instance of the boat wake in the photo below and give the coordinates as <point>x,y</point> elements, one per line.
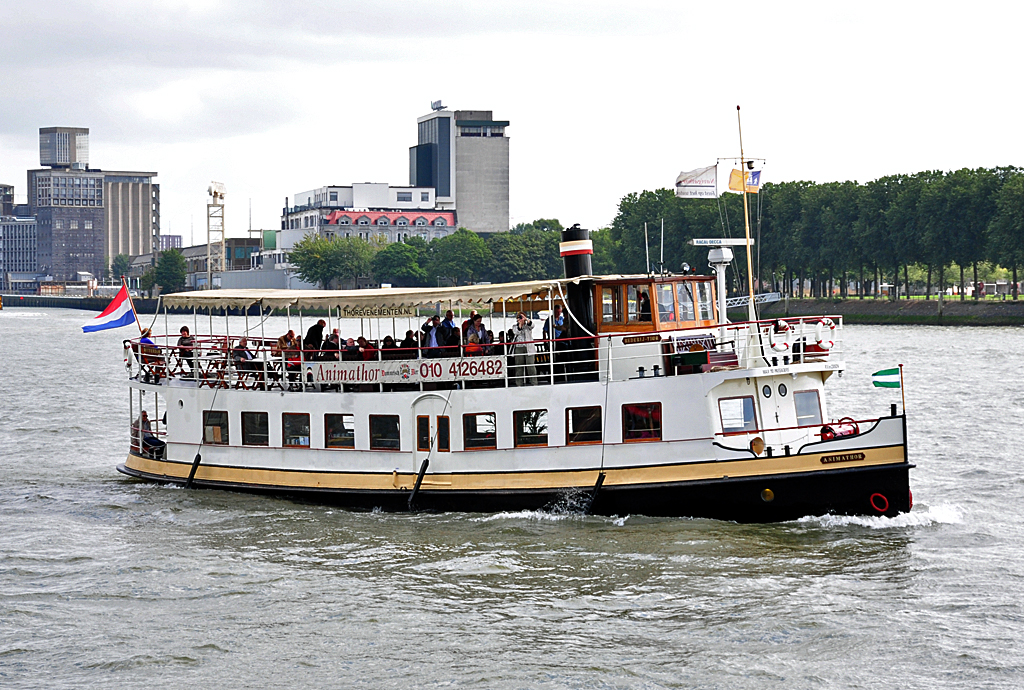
<point>943,514</point>
<point>543,515</point>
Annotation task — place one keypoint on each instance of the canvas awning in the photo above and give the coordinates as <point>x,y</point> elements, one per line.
<point>380,299</point>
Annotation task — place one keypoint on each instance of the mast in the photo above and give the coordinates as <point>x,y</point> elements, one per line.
<point>751,312</point>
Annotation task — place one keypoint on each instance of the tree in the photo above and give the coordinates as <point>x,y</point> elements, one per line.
<point>120,266</point>
<point>171,271</point>
<point>1006,232</point>
<point>398,264</point>
<point>148,281</point>
<point>321,260</point>
<point>530,255</point>
<point>605,251</point>
<point>462,256</point>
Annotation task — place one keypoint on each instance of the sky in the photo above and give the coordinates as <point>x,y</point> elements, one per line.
<point>604,98</point>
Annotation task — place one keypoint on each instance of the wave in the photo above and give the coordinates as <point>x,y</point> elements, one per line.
<point>543,515</point>
<point>943,514</point>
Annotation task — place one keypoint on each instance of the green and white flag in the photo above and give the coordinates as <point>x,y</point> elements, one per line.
<point>886,378</point>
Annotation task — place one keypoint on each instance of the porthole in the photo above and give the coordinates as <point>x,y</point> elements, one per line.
<point>181,404</point>
<point>766,391</point>
<point>783,390</point>
<point>767,495</point>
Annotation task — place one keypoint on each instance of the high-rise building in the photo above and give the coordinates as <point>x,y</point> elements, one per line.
<point>64,147</point>
<point>463,155</point>
<point>17,248</point>
<point>170,242</point>
<point>86,216</point>
<point>6,199</point>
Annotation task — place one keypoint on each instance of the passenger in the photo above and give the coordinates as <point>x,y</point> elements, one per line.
<point>150,444</point>
<point>468,323</point>
<point>369,352</point>
<point>409,345</point>
<point>311,343</point>
<point>293,361</point>
<point>449,335</point>
<point>492,348</point>
<point>523,351</point>
<point>473,348</point>
<point>330,351</point>
<point>432,339</point>
<point>151,358</point>
<point>352,351</point>
<point>187,353</point>
<point>645,306</point>
<point>389,348</point>
<point>242,356</point>
<point>554,324</point>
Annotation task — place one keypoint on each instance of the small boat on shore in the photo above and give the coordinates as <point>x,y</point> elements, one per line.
<point>645,400</point>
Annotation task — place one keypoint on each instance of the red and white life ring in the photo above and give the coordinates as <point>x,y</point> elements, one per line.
<point>783,328</point>
<point>824,340</point>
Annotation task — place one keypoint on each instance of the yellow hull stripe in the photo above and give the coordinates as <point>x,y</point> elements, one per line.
<point>370,481</point>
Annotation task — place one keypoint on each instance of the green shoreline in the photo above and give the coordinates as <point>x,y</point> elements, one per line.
<point>904,312</point>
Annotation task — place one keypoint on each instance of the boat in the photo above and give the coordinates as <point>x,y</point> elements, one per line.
<point>647,401</point>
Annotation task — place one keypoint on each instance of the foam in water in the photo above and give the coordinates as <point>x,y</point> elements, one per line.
<point>542,515</point>
<point>943,514</point>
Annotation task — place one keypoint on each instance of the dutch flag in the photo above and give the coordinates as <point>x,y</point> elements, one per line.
<point>120,312</point>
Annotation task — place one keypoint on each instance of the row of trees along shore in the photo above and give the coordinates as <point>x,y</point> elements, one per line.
<point>920,231</point>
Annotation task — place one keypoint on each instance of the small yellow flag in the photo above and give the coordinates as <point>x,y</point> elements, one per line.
<point>753,181</point>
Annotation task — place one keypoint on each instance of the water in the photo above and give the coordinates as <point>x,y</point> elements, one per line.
<point>106,582</point>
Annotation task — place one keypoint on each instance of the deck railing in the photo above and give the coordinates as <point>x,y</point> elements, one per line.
<point>219,361</point>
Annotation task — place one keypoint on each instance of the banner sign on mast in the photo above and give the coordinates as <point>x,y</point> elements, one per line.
<point>753,181</point>
<point>701,183</point>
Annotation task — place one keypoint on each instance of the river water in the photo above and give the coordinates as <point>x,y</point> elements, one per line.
<point>107,582</point>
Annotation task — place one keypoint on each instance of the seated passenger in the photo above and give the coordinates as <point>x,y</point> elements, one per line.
<point>645,306</point>
<point>150,444</point>
<point>352,351</point>
<point>331,349</point>
<point>368,351</point>
<point>242,357</point>
<point>473,348</point>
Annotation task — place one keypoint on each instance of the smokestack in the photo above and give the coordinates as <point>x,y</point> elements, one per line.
<point>576,249</point>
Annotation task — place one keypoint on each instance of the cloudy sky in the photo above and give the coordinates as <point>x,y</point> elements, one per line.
<point>604,98</point>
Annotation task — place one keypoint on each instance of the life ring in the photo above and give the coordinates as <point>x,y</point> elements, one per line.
<point>882,505</point>
<point>779,327</point>
<point>127,355</point>
<point>819,334</point>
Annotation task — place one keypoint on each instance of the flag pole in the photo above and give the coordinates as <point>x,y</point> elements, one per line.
<point>751,312</point>
<point>128,292</point>
<point>903,391</point>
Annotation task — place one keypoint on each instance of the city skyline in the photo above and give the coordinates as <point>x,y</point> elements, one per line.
<point>604,99</point>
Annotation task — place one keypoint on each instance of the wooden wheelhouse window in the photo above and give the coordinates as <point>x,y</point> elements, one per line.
<point>531,427</point>
<point>705,302</point>
<point>684,294</point>
<point>666,303</point>
<point>638,302</point>
<point>339,431</point>
<point>255,429</point>
<point>444,435</point>
<point>215,427</point>
<point>295,430</point>
<point>611,304</point>
<point>582,425</point>
<point>385,433</point>
<point>641,422</point>
<point>423,433</point>
<point>738,415</point>
<point>479,431</point>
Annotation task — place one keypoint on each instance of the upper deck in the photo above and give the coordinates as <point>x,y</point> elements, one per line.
<point>634,327</point>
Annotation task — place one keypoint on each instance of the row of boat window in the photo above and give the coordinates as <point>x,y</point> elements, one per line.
<point>640,422</point>
<point>583,425</point>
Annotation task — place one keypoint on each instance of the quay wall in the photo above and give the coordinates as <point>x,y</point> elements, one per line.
<point>1007,312</point>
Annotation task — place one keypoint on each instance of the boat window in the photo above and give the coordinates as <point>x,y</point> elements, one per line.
<point>479,431</point>
<point>666,304</point>
<point>531,427</point>
<point>582,425</point>
<point>423,433</point>
<point>215,427</point>
<point>808,408</point>
<point>641,422</point>
<point>340,430</point>
<point>705,305</point>
<point>295,428</point>
<point>611,304</point>
<point>638,302</point>
<point>384,432</point>
<point>737,414</point>
<point>684,292</point>
<point>444,435</point>
<point>255,429</point>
